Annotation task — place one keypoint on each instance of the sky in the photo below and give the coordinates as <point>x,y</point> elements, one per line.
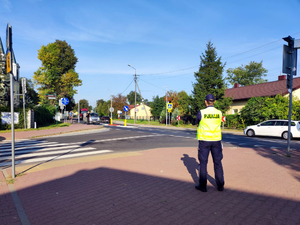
<point>162,39</point>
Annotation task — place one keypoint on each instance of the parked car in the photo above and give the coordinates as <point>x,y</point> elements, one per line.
<point>105,119</point>
<point>94,118</point>
<point>275,128</point>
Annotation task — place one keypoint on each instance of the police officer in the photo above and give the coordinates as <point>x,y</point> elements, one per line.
<point>209,138</point>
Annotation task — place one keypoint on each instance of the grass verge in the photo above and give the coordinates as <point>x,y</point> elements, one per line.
<point>46,127</point>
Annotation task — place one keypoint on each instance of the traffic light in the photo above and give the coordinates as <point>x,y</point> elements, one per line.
<point>288,81</point>
<point>289,63</point>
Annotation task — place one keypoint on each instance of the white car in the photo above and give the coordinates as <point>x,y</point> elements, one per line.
<point>275,128</point>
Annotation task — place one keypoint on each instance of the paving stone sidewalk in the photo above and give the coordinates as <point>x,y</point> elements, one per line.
<point>157,187</point>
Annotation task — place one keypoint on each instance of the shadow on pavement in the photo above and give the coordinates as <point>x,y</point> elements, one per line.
<point>192,166</point>
<point>2,138</point>
<point>109,196</point>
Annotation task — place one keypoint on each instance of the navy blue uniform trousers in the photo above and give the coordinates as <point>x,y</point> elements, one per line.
<point>215,147</point>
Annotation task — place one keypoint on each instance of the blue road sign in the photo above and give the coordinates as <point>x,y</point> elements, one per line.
<point>65,101</point>
<point>126,108</point>
<point>170,105</point>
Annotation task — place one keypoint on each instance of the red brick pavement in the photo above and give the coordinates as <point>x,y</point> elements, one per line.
<point>157,187</point>
<point>8,212</point>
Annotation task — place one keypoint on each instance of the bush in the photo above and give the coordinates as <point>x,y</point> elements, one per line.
<point>43,115</point>
<point>234,121</point>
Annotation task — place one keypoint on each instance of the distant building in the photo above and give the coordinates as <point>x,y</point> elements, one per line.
<point>142,112</point>
<point>241,95</point>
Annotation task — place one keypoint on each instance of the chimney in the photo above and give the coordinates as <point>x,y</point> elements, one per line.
<point>282,77</point>
<point>236,85</point>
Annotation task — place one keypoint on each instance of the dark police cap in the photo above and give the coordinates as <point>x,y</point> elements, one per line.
<point>210,97</point>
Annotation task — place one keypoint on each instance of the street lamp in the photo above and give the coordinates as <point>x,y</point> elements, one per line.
<point>134,93</point>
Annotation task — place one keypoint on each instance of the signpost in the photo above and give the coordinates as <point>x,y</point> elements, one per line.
<point>178,118</point>
<point>24,91</point>
<point>125,108</point>
<point>223,120</point>
<point>170,107</point>
<point>111,109</point>
<point>289,66</point>
<point>53,96</point>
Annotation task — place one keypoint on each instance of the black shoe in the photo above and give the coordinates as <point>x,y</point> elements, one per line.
<point>200,188</point>
<point>220,188</point>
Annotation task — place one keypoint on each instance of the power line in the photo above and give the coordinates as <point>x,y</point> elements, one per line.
<point>128,86</point>
<point>259,47</point>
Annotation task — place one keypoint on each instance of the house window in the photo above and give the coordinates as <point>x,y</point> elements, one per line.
<point>235,111</point>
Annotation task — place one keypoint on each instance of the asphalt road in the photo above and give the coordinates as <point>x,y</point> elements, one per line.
<point>141,138</point>
<point>124,139</point>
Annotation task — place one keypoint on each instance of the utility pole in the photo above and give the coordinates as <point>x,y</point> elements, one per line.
<point>134,93</point>
<point>166,105</point>
<point>78,113</point>
<point>111,107</point>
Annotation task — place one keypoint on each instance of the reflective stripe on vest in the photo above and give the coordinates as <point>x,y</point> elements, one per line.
<point>209,128</point>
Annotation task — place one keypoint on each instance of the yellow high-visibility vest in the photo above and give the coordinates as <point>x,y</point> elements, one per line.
<point>209,128</point>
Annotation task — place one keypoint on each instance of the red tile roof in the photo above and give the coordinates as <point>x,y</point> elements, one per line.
<point>261,90</point>
<point>130,107</point>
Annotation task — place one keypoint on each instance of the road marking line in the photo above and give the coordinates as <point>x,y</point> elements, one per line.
<point>258,145</point>
<point>35,153</point>
<point>51,158</point>
<point>38,149</point>
<point>181,136</point>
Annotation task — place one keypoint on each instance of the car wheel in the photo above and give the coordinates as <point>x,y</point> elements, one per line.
<point>285,135</point>
<point>250,133</point>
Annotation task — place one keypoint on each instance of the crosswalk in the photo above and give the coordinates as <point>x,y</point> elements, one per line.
<point>28,151</point>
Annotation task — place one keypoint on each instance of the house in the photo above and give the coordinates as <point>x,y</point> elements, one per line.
<point>142,112</point>
<point>241,95</point>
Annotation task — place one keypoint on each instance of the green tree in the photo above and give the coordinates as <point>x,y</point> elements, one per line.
<point>250,74</point>
<point>157,105</point>
<point>259,109</point>
<point>184,102</point>
<point>84,104</point>
<point>118,102</point>
<point>209,80</point>
<point>102,107</point>
<point>57,73</point>
<point>131,98</point>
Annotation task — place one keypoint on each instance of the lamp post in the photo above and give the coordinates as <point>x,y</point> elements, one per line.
<point>134,93</point>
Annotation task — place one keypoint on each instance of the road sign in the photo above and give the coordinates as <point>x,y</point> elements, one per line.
<point>119,112</point>
<point>178,117</point>
<point>169,110</point>
<point>50,97</point>
<point>8,62</point>
<point>111,109</point>
<point>126,108</point>
<point>23,80</point>
<point>223,119</point>
<point>170,106</point>
<point>136,110</point>
<point>65,101</point>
